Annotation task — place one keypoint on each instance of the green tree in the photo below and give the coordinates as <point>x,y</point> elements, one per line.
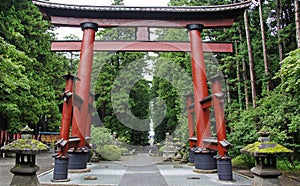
<point>22,25</point>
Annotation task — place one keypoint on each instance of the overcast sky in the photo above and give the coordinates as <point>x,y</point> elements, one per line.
<point>62,32</point>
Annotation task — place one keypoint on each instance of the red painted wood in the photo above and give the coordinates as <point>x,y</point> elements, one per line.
<point>200,87</point>
<point>89,117</point>
<point>191,126</point>
<point>75,22</point>
<point>66,115</point>
<point>135,46</point>
<point>219,114</point>
<point>83,86</point>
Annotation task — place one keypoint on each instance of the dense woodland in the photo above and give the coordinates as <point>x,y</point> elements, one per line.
<point>262,84</point>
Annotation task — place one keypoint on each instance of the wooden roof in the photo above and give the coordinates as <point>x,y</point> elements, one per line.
<point>169,13</point>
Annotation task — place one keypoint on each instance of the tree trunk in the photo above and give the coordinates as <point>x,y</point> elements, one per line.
<point>238,77</point>
<point>244,73</point>
<point>266,63</point>
<point>279,26</point>
<point>297,21</point>
<point>251,64</point>
<point>228,91</point>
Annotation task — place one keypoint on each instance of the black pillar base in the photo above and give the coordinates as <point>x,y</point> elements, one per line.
<point>78,160</point>
<point>60,173</point>
<point>191,157</point>
<point>224,168</point>
<point>204,161</point>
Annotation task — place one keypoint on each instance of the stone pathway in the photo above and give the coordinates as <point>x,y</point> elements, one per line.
<point>142,170</point>
<point>139,169</point>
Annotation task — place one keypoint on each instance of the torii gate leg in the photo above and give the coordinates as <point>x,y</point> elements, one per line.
<point>203,157</point>
<point>78,158</point>
<point>223,160</point>
<point>89,118</point>
<point>60,172</point>
<point>192,139</point>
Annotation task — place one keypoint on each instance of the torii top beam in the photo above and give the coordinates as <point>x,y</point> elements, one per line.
<point>113,16</point>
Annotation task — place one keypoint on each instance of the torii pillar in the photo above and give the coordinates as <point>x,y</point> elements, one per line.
<point>191,126</point>
<point>203,156</point>
<point>60,172</point>
<point>79,154</point>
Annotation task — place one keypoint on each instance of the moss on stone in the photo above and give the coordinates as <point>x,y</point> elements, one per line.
<point>265,148</point>
<point>31,146</point>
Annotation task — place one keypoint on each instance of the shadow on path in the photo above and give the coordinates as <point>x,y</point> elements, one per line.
<point>142,171</point>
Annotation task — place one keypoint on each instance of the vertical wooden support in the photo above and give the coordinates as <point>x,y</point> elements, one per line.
<point>66,114</point>
<point>142,34</point>
<point>199,82</point>
<point>218,102</point>
<point>83,87</point>
<point>191,127</point>
<point>89,117</point>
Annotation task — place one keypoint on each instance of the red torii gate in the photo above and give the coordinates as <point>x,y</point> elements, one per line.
<point>195,19</point>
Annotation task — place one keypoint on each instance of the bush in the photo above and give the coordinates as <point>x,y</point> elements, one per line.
<point>101,136</point>
<point>123,150</point>
<point>109,152</point>
<point>243,161</point>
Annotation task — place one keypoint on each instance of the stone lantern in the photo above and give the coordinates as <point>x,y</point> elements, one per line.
<point>169,149</point>
<point>25,168</point>
<point>265,152</point>
<point>26,132</point>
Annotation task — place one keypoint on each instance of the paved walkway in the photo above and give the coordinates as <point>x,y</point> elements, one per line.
<point>44,161</point>
<point>142,170</point>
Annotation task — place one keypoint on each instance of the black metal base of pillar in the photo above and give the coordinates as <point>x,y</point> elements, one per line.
<point>60,173</point>
<point>204,160</point>
<point>78,160</point>
<point>192,156</point>
<point>224,169</point>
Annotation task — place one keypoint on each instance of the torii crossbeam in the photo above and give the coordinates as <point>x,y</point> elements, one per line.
<point>195,19</point>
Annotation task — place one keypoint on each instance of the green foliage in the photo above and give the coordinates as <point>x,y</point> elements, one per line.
<point>101,136</point>
<point>243,161</point>
<point>278,112</point>
<point>290,74</point>
<point>288,165</point>
<point>30,72</point>
<point>12,80</point>
<point>109,152</point>
<point>123,150</point>
<point>30,146</point>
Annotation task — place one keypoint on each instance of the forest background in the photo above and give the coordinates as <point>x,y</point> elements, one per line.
<point>262,84</point>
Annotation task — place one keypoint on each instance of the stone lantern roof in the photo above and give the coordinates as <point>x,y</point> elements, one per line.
<point>26,129</point>
<point>265,147</point>
<point>25,146</point>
